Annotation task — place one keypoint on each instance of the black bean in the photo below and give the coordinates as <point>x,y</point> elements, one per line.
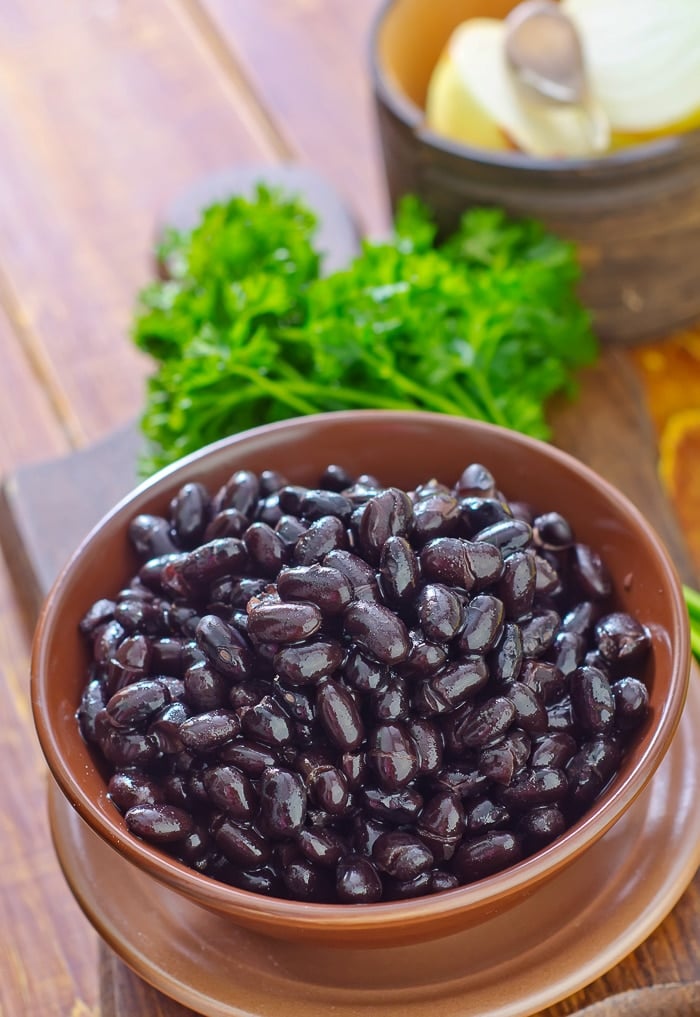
<point>131,661</point>
<point>497,762</point>
<point>322,585</point>
<point>250,757</point>
<point>321,847</point>
<point>165,727</point>
<point>284,622</point>
<point>516,588</point>
<point>580,618</point>
<point>554,750</point>
<point>240,492</point>
<point>378,631</point>
<point>483,815</point>
<point>189,514</point>
<point>538,633</point>
<point>441,824</point>
<point>438,515</point>
<point>266,548</point>
<point>305,663</point>
<point>224,647</point>
<point>547,581</point>
<point>335,478</point>
<point>328,787</point>
<point>567,651</point>
<point>530,711</point>
<point>159,823</point>
<point>536,786</point>
<point>282,802</point>
<point>290,528</point>
<point>338,713</point>
<point>429,743</point>
<point>486,721</point>
<point>476,480</point>
<point>267,722</point>
<point>509,535</point>
<point>486,563</point>
<point>392,754</point>
<point>227,523</point>
<point>592,700</point>
<point>365,833</point>
<point>323,536</point>
<point>317,503</point>
<point>401,855</point>
<point>363,673</point>
<point>357,881</point>
<point>389,514</point>
<point>541,825</point>
<point>459,682</point>
<point>304,881</point>
<point>440,612</point>
<point>390,700</point>
<point>360,575</point>
<point>631,702</point>
<point>241,844</point>
<point>397,807</point>
<point>128,748</point>
<point>441,880</point>
<point>106,641</point>
<point>590,572</point>
<point>489,853</point>
<point>445,560</point>
<point>622,639</point>
<point>208,731</point>
<point>151,536</point>
<point>545,679</point>
<point>101,612</point>
<point>399,571</point>
<point>205,688</point>
<point>127,788</point>
<point>424,658</point>
<point>552,531</point>
<point>478,513</point>
<point>466,781</point>
<point>560,716</point>
<point>355,768</point>
<point>506,657</point>
<point>91,703</point>
<point>483,623</point>
<point>590,769</point>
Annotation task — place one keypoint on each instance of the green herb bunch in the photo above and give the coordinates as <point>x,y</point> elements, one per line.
<point>245,330</point>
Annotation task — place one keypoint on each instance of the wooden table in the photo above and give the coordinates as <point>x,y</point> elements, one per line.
<point>107,110</point>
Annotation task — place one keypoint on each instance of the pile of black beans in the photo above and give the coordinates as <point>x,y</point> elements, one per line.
<point>355,693</point>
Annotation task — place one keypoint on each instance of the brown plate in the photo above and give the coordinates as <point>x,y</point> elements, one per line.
<point>572,931</point>
<point>676,999</point>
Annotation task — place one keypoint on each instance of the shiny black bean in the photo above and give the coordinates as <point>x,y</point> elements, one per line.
<point>189,514</point>
<point>230,790</point>
<point>554,750</point>
<point>338,713</point>
<point>476,481</point>
<point>441,880</point>
<point>225,648</point>
<point>159,823</point>
<point>393,756</point>
<point>530,711</point>
<point>538,633</point>
<point>359,574</point>
<point>151,536</point>
<point>321,847</point>
<point>437,515</point>
<point>544,678</point>
<point>388,514</point>
<point>497,762</point>
<point>486,854</point>
<point>631,702</point>
<point>284,622</point>
<point>567,651</point>
<point>247,694</point>
<point>169,657</point>
<point>547,581</point>
<point>580,618</point>
<point>590,572</point>
<point>429,744</point>
<point>590,769</point>
<point>541,825</point>
<point>290,528</point>
<point>357,881</point>
<point>227,523</point>
<point>441,824</point>
<point>127,788</point>
<point>459,682</point>
<point>401,855</point>
<point>485,563</point>
<point>328,787</point>
<point>267,722</point>
<point>101,612</point>
<point>335,478</point>
<point>92,702</point>
<point>318,503</point>
<point>305,663</point>
<point>445,560</point>
<point>405,889</point>
<point>478,513</point>
<point>482,723</point>
<point>241,492</point>
<point>242,844</point>
<point>552,531</point>
<point>509,535</point>
<point>560,716</point>
<point>266,549</point>
<point>592,700</point>
<point>297,703</point>
<point>269,512</point>
<point>106,641</point>
<point>506,657</point>
<point>128,748</point>
<point>304,881</point>
<point>400,572</point>
<point>363,673</point>
<point>622,639</point>
<point>424,658</point>
<point>250,757</point>
<point>208,731</point>
<point>483,623</point>
<point>536,786</point>
<point>165,727</point>
<point>131,662</point>
<point>282,803</point>
<point>391,700</point>
<point>466,781</point>
<point>516,588</point>
<point>398,807</point>
<point>378,631</point>
<point>322,585</point>
<point>440,612</point>
<point>355,768</point>
<point>484,815</point>
<point>205,688</point>
<point>323,536</point>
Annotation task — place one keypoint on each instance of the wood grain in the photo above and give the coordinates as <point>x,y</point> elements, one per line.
<point>122,108</point>
<point>307,62</point>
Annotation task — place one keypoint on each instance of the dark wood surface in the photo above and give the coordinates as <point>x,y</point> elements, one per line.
<point>108,112</point>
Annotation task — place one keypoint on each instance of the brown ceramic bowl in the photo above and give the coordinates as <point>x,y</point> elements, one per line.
<point>402,448</point>
<point>634,214</point>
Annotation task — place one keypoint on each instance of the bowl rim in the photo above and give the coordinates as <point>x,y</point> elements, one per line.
<point>645,154</point>
<point>499,887</point>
